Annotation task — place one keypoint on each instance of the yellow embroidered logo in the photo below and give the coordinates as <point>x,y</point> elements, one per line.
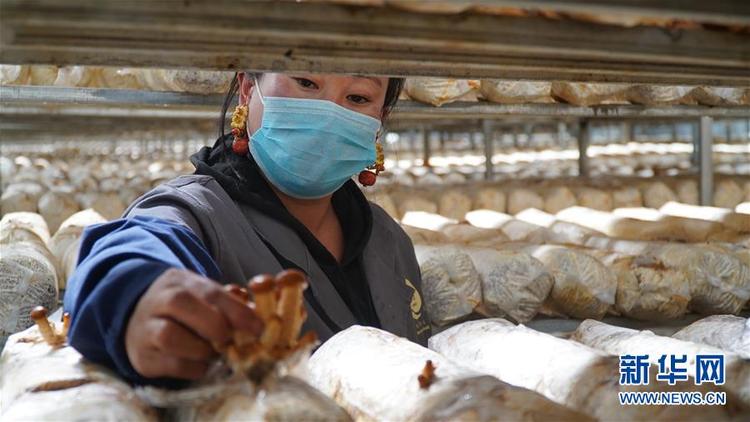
<point>416,301</point>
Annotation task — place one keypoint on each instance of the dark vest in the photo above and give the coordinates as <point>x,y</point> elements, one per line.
<point>238,237</point>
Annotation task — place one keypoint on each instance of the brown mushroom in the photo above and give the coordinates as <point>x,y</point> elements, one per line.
<point>39,315</point>
<point>271,333</point>
<point>279,302</point>
<point>427,377</point>
<point>65,325</point>
<point>309,338</point>
<point>296,325</point>
<point>264,294</point>
<point>291,283</point>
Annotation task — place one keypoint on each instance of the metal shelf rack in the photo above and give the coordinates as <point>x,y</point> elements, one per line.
<point>329,37</point>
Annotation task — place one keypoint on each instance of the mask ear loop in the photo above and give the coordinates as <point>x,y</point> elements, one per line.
<point>260,94</point>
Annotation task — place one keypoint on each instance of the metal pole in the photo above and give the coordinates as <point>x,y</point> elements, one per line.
<point>626,131</point>
<point>728,131</point>
<point>412,148</point>
<point>488,150</point>
<point>396,146</point>
<point>706,160</point>
<point>474,138</point>
<point>584,138</point>
<point>474,135</point>
<point>561,138</point>
<point>425,147</point>
<point>528,130</point>
<point>695,156</point>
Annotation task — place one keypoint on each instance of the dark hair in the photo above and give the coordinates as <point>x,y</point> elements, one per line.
<point>395,85</point>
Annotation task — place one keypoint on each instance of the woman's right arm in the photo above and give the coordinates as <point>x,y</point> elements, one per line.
<point>143,301</point>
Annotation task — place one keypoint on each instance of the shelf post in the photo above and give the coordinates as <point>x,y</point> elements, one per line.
<point>474,138</point>
<point>728,131</point>
<point>412,147</point>
<point>695,161</point>
<point>426,153</point>
<point>528,130</point>
<point>706,160</point>
<point>584,138</point>
<point>626,131</point>
<point>488,148</point>
<point>561,135</point>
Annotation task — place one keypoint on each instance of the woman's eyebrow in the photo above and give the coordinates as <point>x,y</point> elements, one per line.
<point>372,78</point>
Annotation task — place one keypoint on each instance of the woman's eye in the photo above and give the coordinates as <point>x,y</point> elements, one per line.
<point>306,83</point>
<point>358,99</point>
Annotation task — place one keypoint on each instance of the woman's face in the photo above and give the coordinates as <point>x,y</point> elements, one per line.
<point>362,94</point>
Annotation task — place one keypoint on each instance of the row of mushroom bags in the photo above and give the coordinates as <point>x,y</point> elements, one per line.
<point>446,169</point>
<point>580,262</point>
<point>493,257</point>
<point>482,277</point>
<point>58,187</point>
<point>482,370</point>
<point>640,263</point>
<point>609,167</point>
<point>574,251</point>
<point>552,196</point>
<point>63,180</point>
<point>434,91</point>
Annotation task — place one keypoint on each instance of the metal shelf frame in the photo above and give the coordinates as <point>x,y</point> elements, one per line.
<point>18,103</point>
<point>717,12</point>
<point>287,36</point>
<point>95,102</point>
<point>410,110</point>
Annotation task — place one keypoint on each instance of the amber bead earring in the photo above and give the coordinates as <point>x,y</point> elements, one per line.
<point>240,144</point>
<point>369,177</point>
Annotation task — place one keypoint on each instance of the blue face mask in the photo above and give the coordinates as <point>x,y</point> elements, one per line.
<point>309,148</point>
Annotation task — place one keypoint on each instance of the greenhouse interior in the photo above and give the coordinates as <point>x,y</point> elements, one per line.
<point>375,210</point>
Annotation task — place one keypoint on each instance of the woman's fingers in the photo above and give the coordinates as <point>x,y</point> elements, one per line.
<point>174,339</point>
<point>201,317</point>
<point>206,308</point>
<point>177,321</point>
<point>239,315</point>
<point>157,364</point>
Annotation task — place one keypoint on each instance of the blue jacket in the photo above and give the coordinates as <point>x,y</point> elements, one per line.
<point>118,261</point>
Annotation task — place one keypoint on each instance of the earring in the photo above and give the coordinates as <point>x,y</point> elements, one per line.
<point>240,144</point>
<point>367,177</point>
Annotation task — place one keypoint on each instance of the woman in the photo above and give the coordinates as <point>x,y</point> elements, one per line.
<point>146,298</point>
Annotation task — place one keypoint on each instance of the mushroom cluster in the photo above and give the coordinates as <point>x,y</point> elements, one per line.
<point>53,336</point>
<point>279,302</point>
